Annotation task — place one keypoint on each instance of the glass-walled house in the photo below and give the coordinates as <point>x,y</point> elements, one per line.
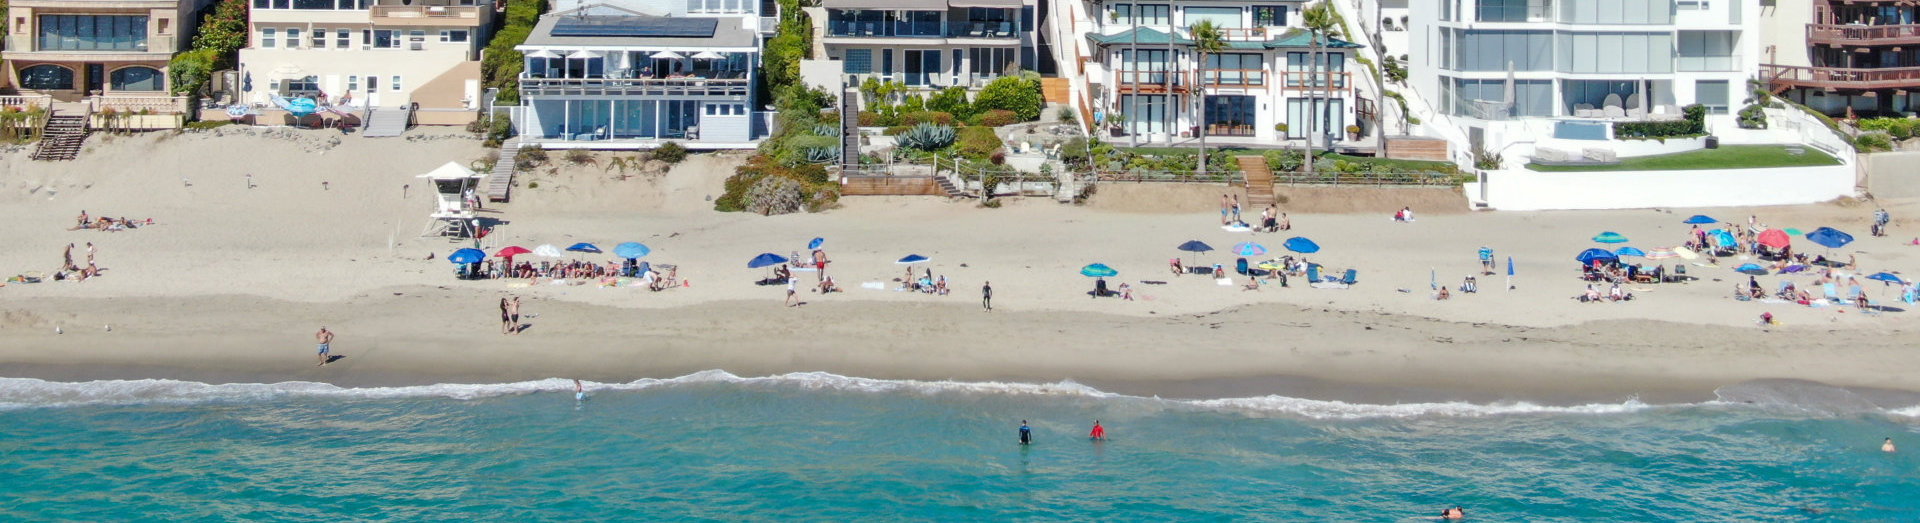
<point>929,43</point>
<point>613,79</point>
<point>69,50</point>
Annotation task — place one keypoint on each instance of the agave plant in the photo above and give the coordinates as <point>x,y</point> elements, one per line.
<point>927,137</point>
<point>826,130</point>
<point>822,154</point>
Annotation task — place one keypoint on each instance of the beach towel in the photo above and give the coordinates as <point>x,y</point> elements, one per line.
<point>1329,285</point>
<point>875,285</point>
<point>1236,228</point>
<point>1223,281</point>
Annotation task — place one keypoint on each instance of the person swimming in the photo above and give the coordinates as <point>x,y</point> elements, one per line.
<point>1887,446</point>
<point>1026,433</point>
<point>1099,433</point>
<point>1453,513</point>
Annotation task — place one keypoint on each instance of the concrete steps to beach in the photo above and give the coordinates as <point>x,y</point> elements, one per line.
<point>1259,181</point>
<point>61,138</point>
<point>500,181</point>
<point>386,122</point>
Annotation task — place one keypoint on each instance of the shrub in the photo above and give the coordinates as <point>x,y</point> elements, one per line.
<point>1693,125</point>
<point>530,157</point>
<point>1753,117</point>
<point>927,137</point>
<point>223,32</point>
<point>977,142</point>
<point>579,157</point>
<point>998,158</point>
<point>1285,160</point>
<point>500,64</point>
<point>952,100</point>
<point>1067,115</point>
<point>1874,141</point>
<point>1903,129</point>
<point>1075,151</point>
<point>1018,94</point>
<point>998,118</point>
<point>895,130</point>
<point>191,70</point>
<point>1482,159</point>
<point>870,119</point>
<point>932,117</point>
<point>774,195</point>
<point>670,152</point>
<point>207,124</point>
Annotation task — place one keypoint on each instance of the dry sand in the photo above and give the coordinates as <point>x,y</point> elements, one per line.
<point>232,282</point>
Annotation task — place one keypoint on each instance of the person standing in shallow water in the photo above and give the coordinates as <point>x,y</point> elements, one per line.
<point>1099,433</point>
<point>1026,433</point>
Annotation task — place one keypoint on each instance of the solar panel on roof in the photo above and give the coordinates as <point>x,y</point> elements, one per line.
<point>632,26</point>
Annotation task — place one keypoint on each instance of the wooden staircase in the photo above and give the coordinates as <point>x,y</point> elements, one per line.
<point>1259,181</point>
<point>500,181</point>
<point>849,128</point>
<point>62,137</point>
<point>946,186</point>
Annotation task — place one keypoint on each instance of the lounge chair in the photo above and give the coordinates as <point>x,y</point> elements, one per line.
<point>1241,266</point>
<point>1351,277</point>
<point>1313,273</point>
<point>1611,107</point>
<point>1600,155</point>
<point>1585,111</point>
<point>1680,272</point>
<point>1543,154</point>
<point>1635,109</point>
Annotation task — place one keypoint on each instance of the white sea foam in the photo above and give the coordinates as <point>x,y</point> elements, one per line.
<point>18,393</point>
<point>1909,412</point>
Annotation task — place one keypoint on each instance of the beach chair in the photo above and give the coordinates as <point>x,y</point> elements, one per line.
<point>1830,292</point>
<point>1351,277</point>
<point>1241,266</point>
<point>1313,273</point>
<point>1680,272</point>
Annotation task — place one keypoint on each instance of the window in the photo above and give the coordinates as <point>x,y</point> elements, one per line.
<point>92,33</point>
<point>385,39</point>
<point>302,85</point>
<point>453,36</point>
<point>1487,99</point>
<point>272,4</point>
<point>1635,12</point>
<point>1691,5</point>
<point>1713,94</point>
<point>1705,51</point>
<point>1234,69</point>
<point>353,83</point>
<point>1144,113</point>
<point>992,61</point>
<point>266,38</point>
<point>1610,52</point>
<point>1495,50</point>
<point>138,78</point>
<point>342,39</point>
<point>1270,16</point>
<point>922,67</point>
<point>166,25</point>
<point>1596,93</point>
<point>319,39</point>
<point>395,82</point>
<point>726,110</point>
<point>1222,17</point>
<point>1143,14</point>
<point>858,61</point>
<point>1331,122</point>
<point>1331,64</point>
<point>46,77</point>
<point>1230,115</point>
<point>1515,10</point>
<point>293,38</point>
<point>1144,66</point>
<point>886,62</point>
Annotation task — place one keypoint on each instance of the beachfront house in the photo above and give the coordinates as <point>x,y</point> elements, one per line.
<point>633,74</point>
<point>414,59</point>
<point>1834,56</point>
<point>94,55</point>
<point>1511,71</point>
<point>927,44</point>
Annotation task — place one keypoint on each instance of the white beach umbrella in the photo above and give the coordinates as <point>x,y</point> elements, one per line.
<point>579,55</point>
<point>543,53</point>
<point>548,251</point>
<point>669,55</point>
<point>709,55</point>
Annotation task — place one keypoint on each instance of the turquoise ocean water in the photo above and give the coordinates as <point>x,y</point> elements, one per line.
<point>713,446</point>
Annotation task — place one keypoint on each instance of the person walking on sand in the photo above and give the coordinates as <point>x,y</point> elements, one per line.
<point>986,295</point>
<point>793,297</point>
<point>325,337</point>
<point>513,315</point>
<point>506,318</point>
<point>67,258</point>
<point>1226,206</point>
<point>1236,209</point>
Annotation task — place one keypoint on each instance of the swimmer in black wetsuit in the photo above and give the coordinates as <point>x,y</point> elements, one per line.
<point>1026,433</point>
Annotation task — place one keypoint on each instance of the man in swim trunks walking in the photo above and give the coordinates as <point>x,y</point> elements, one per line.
<point>325,338</point>
<point>986,295</point>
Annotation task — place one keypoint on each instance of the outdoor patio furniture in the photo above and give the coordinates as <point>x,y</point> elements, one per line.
<point>1543,154</point>
<point>1600,155</point>
<point>1612,108</point>
<point>1585,111</point>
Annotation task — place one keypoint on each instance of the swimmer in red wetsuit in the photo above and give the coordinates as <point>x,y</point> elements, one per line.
<point>1099,433</point>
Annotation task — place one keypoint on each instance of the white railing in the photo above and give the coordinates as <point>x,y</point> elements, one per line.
<point>153,104</point>
<point>24,101</point>
<point>1812,132</point>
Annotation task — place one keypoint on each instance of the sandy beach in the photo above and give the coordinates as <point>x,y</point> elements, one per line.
<point>231,282</point>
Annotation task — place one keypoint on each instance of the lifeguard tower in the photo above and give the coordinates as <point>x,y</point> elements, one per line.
<point>452,215</point>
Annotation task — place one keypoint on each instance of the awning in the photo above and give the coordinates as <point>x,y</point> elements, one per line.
<point>543,53</point>
<point>908,5</point>
<point>578,55</point>
<point>1004,4</point>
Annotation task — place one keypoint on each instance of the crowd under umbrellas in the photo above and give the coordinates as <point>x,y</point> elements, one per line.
<point>548,263</point>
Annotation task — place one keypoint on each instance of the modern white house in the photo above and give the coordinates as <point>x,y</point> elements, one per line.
<point>927,43</point>
<point>631,74</point>
<point>356,54</point>
<point>1516,71</point>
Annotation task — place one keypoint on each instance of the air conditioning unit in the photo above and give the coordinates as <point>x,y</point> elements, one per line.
<point>418,46</point>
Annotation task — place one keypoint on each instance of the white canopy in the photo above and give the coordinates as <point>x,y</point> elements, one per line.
<point>709,55</point>
<point>450,171</point>
<point>543,53</point>
<point>583,54</point>
<point>669,55</point>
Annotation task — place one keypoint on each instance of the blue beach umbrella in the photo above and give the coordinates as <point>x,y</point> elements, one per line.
<point>1587,257</point>
<point>1302,245</point>
<point>1250,249</point>
<point>816,243</point>
<point>912,259</point>
<point>1099,270</point>
<point>1886,277</point>
<point>766,259</point>
<point>1829,237</point>
<point>584,247</point>
<point>1509,266</point>
<point>1751,268</point>
<point>1722,238</point>
<point>1629,251</point>
<point>1610,237</point>
<point>1701,219</point>
<point>1195,246</point>
<point>466,256</point>
<point>631,250</point>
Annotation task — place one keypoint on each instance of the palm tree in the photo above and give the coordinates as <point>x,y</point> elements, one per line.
<point>1206,40</point>
<point>1322,24</point>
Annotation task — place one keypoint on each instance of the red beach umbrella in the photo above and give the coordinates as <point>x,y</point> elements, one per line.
<point>512,251</point>
<point>1775,238</point>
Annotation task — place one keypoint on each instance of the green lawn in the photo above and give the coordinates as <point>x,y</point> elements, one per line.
<point>1726,157</point>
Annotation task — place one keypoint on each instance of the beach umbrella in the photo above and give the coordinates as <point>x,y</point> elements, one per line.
<point>1794,232</point>
<point>1662,253</point>
<point>510,252</point>
<point>1629,251</point>
<point>1099,270</point>
<point>912,259</point>
<point>1722,238</point>
<point>1886,277</point>
<point>708,55</point>
<point>1829,237</point>
<point>1195,246</point>
<point>1509,274</point>
<point>547,250</point>
<point>466,256</point>
<point>1587,257</point>
<point>1775,238</point>
<point>584,247</point>
<point>766,259</point>
<point>1302,245</point>
<point>1610,237</point>
<point>1751,268</point>
<point>1250,249</point>
<point>631,250</point>
<point>1271,265</point>
<point>668,55</point>
<point>816,243</point>
<point>1701,219</point>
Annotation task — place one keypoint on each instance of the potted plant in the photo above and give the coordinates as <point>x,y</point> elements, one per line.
<point>1280,128</point>
<point>1116,124</point>
<point>1353,132</point>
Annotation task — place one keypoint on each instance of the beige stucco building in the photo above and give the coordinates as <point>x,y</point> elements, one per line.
<point>69,49</point>
<point>354,54</point>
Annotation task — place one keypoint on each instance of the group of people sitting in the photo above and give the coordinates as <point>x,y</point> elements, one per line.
<point>104,223</point>
<point>1617,273</point>
<point>925,283</point>
<point>1100,290</point>
<point>1614,294</point>
<point>1405,214</point>
<point>1827,286</point>
<point>582,271</point>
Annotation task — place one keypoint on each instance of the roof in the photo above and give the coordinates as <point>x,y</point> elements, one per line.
<point>1292,38</point>
<point>727,32</point>
<point>450,171</point>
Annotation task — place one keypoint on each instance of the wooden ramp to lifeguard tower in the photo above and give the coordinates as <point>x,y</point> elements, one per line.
<point>500,181</point>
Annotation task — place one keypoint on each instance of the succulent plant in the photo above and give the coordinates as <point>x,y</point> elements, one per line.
<point>927,137</point>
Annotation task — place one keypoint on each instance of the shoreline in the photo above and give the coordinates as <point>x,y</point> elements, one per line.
<point>429,335</point>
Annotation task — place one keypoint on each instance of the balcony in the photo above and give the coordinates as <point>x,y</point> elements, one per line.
<point>1840,78</point>
<point>1304,80</point>
<point>421,15</point>
<point>1861,34</point>
<point>1235,77</point>
<point>22,47</point>
<point>683,86</point>
<point>1148,82</point>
